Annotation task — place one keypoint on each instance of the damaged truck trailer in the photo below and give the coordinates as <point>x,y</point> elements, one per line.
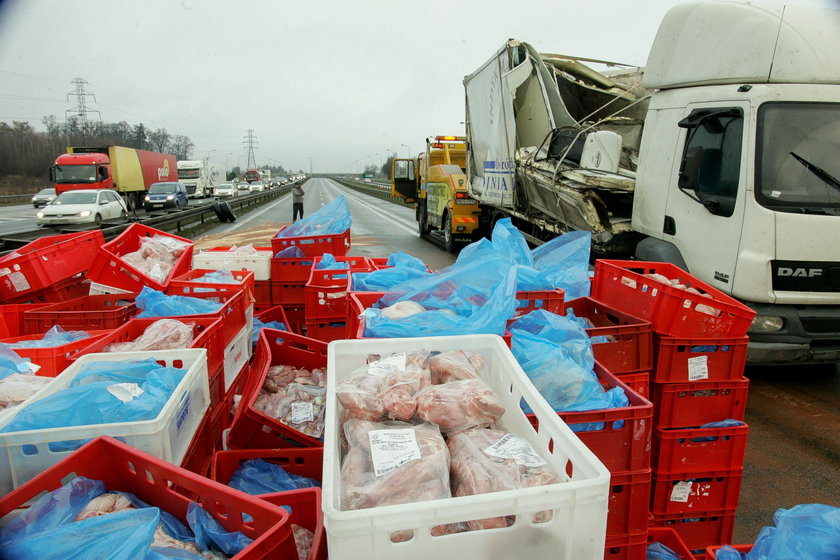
<point>718,156</point>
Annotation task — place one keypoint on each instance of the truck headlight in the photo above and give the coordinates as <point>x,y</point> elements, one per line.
<point>170,197</point>
<point>84,213</point>
<point>148,198</point>
<point>39,215</point>
<point>766,324</point>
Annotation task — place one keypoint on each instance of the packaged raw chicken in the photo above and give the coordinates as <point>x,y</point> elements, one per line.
<point>165,334</point>
<point>385,388</point>
<point>156,256</point>
<point>392,463</point>
<point>484,460</point>
<point>456,365</point>
<point>298,406</point>
<point>17,387</point>
<point>303,541</point>
<point>459,405</point>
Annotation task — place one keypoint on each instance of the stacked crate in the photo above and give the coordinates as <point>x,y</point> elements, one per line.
<point>326,298</point>
<point>700,348</point>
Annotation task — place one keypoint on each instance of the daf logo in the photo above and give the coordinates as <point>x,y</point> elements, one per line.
<point>800,272</point>
<point>163,172</point>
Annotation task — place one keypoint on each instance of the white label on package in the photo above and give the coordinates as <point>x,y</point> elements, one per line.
<point>681,491</point>
<point>698,368</point>
<point>391,449</point>
<point>126,392</point>
<point>514,447</point>
<point>302,412</point>
<point>19,281</point>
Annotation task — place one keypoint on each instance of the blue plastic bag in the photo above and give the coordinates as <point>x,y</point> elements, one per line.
<point>726,552</point>
<point>217,277</point>
<point>257,476</point>
<point>328,262</point>
<point>564,261</point>
<point>11,363</point>
<point>210,535</point>
<point>100,397</point>
<point>806,532</point>
<point>559,330</point>
<point>259,325</point>
<point>476,297</point>
<point>658,551</point>
<point>385,279</point>
<point>585,324</point>
<point>157,304</point>
<point>56,336</point>
<point>332,218</point>
<point>404,260</point>
<point>729,423</point>
<point>293,252</point>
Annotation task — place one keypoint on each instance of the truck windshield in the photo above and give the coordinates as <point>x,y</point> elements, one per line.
<point>71,174</point>
<point>797,168</point>
<point>188,173</point>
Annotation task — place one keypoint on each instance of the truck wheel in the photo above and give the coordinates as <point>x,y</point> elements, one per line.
<point>423,220</point>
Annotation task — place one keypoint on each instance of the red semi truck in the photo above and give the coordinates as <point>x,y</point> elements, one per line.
<point>127,170</point>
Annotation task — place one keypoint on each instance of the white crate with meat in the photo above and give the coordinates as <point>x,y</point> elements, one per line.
<point>427,454</point>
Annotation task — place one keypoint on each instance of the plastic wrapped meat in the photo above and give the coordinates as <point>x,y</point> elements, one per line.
<point>677,284</point>
<point>303,540</point>
<point>298,406</point>
<point>393,463</point>
<point>456,365</point>
<point>156,256</point>
<point>486,461</point>
<point>17,387</point>
<point>385,388</point>
<point>459,405</point>
<point>278,377</point>
<point>166,334</point>
<point>402,309</point>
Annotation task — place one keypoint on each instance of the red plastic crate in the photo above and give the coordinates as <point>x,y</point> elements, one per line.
<point>108,267</point>
<point>233,312</point>
<point>639,381</point>
<point>357,302</point>
<point>46,261</point>
<point>695,491</point>
<point>297,318</point>
<point>629,502</point>
<point>680,360</point>
<point>293,270</point>
<point>680,405</point>
<point>672,311</point>
<point>53,359</point>
<point>62,290</point>
<point>630,346</point>
<point>700,529</point>
<point>253,429</point>
<point>306,512</point>
<point>11,318</point>
<point>687,449</point>
<point>711,551</point>
<point>327,330</point>
<point>205,335</point>
<point>306,462</point>
<point>170,488</point>
<point>620,449</point>
<point>262,293</point>
<point>626,547</point>
<point>206,441</point>
<point>82,313</point>
<point>549,300</point>
<point>185,284</point>
<point>288,294</point>
<point>670,538</point>
<point>314,245</point>
<point>325,294</point>
<point>275,313</point>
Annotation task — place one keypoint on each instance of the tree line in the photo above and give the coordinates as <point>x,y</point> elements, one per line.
<point>28,152</point>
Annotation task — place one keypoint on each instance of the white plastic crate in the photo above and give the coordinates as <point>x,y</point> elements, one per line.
<point>97,289</point>
<point>259,264</point>
<point>577,527</point>
<point>26,454</point>
<point>236,355</point>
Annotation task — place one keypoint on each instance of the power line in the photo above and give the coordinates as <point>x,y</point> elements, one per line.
<point>81,96</point>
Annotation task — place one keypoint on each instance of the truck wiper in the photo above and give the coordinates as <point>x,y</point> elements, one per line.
<point>821,173</point>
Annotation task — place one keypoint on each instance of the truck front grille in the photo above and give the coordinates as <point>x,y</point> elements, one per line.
<point>821,325</point>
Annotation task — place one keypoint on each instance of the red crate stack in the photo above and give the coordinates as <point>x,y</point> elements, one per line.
<point>699,354</point>
<point>314,245</point>
<point>326,301</point>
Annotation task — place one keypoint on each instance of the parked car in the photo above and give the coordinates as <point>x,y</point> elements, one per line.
<point>256,186</point>
<point>166,195</point>
<point>226,190</point>
<point>43,197</point>
<point>82,206</point>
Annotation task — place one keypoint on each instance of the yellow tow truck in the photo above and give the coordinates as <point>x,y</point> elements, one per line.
<point>436,181</point>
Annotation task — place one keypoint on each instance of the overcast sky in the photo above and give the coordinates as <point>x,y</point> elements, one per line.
<point>337,83</point>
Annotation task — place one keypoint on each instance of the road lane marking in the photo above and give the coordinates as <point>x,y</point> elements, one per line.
<point>390,217</point>
<point>237,224</point>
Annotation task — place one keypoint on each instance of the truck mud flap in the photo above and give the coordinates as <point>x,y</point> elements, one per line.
<point>224,212</point>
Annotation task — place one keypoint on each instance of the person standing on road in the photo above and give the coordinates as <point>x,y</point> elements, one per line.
<point>297,201</point>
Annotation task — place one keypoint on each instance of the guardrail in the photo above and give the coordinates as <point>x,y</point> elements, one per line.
<point>379,190</point>
<point>9,199</point>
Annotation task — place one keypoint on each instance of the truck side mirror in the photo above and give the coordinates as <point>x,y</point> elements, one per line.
<point>52,174</point>
<point>689,168</point>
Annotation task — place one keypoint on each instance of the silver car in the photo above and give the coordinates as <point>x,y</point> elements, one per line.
<point>43,197</point>
<point>225,190</point>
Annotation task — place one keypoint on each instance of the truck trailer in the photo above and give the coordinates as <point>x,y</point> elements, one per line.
<point>200,177</point>
<point>126,170</point>
<point>719,156</point>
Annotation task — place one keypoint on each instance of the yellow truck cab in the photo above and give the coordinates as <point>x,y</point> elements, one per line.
<point>436,181</point>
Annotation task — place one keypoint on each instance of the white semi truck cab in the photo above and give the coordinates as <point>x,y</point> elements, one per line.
<point>739,166</point>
